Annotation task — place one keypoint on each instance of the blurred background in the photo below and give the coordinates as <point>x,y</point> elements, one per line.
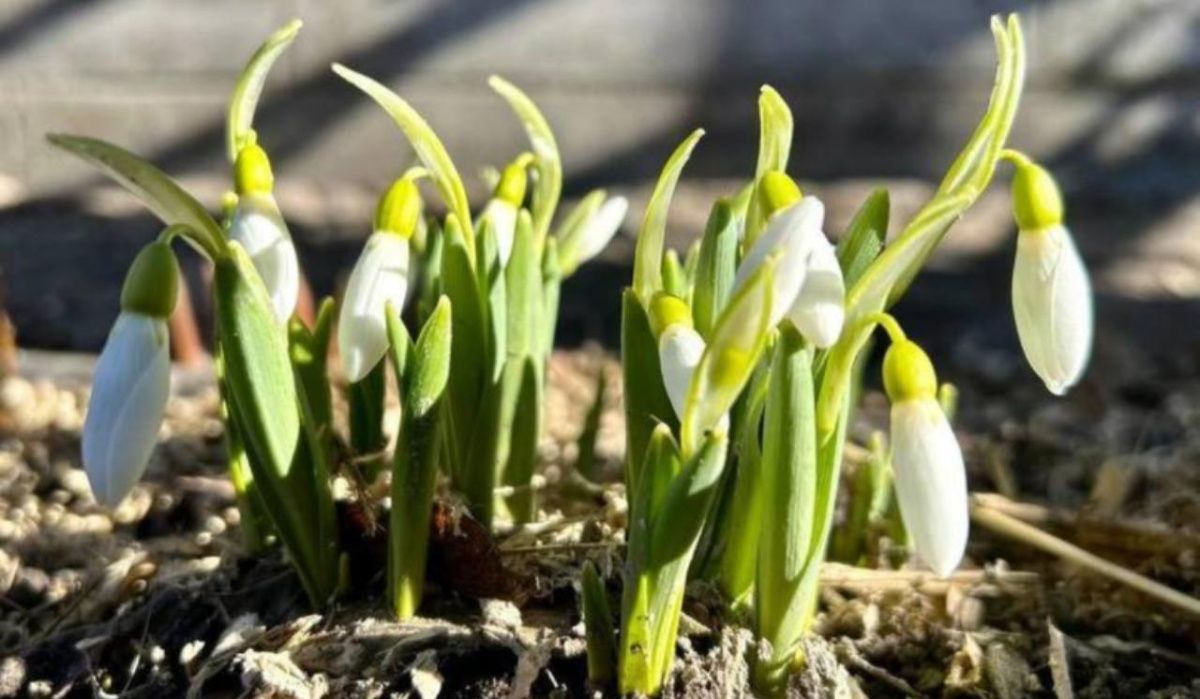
<point>883,94</point>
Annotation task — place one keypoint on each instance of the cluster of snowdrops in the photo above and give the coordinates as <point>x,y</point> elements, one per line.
<point>740,360</point>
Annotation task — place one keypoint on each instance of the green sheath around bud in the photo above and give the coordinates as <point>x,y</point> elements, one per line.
<point>152,283</point>
<point>907,373</point>
<point>1037,203</point>
<point>513,180</point>
<point>777,191</point>
<point>252,171</point>
<point>399,209</point>
<point>667,310</point>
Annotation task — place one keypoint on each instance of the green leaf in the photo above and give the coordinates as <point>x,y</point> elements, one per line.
<point>399,344</point>
<point>491,281</point>
<point>715,268</point>
<point>366,404</point>
<point>646,401</point>
<point>425,142</point>
<point>467,366</point>
<point>586,463</point>
<point>737,343</point>
<point>673,275</point>
<point>788,484</point>
<point>309,351</point>
<point>677,520</point>
<point>865,236</point>
<point>551,286</point>
<point>429,369</point>
<point>249,86</point>
<point>598,625</point>
<point>158,192</point>
<point>520,424</point>
<point>774,147</point>
<point>548,187</point>
<point>523,282</point>
<point>647,261</point>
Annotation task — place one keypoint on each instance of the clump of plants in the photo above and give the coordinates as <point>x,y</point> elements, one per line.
<point>742,361</point>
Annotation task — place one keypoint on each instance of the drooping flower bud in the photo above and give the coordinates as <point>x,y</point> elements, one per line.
<point>1051,291</point>
<point>381,275</point>
<point>258,226</point>
<point>132,379</point>
<point>600,228</point>
<point>502,210</point>
<point>931,482</point>
<point>819,310</point>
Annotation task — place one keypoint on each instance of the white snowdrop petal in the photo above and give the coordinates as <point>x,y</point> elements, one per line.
<point>129,394</point>
<point>679,351</point>
<point>1052,304</point>
<point>503,217</point>
<point>601,227</point>
<point>379,276</point>
<point>259,228</point>
<point>793,231</point>
<point>820,308</point>
<point>931,483</point>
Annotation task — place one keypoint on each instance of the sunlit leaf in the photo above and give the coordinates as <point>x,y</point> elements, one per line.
<point>249,86</point>
<point>647,261</point>
<point>548,187</point>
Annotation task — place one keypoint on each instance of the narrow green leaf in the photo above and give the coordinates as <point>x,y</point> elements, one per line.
<point>523,282</point>
<point>715,268</point>
<point>366,404</point>
<point>309,351</point>
<point>548,187</point>
<point>789,480</point>
<point>551,287</point>
<point>865,236</point>
<point>424,141</point>
<point>737,343</point>
<point>679,517</point>
<point>674,278</point>
<point>598,625</point>
<point>467,366</point>
<point>399,344</point>
<point>646,401</point>
<point>489,278</point>
<point>429,369</point>
<point>774,147</point>
<point>158,192</point>
<point>249,87</point>
<point>647,261</point>
<point>570,231</point>
<point>586,463</point>
<point>521,423</point>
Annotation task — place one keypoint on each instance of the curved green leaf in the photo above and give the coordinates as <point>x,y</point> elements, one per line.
<point>161,194</point>
<point>250,86</point>
<point>647,260</point>
<point>549,164</point>
<point>775,134</point>
<point>425,142</point>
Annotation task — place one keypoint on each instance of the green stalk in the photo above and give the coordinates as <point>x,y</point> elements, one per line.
<point>598,625</point>
<point>366,399</point>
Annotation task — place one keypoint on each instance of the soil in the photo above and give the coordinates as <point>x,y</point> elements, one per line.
<point>159,597</point>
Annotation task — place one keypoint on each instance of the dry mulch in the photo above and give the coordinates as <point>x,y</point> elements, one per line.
<point>158,597</point>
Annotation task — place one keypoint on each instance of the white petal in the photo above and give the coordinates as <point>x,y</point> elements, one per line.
<point>820,307</point>
<point>258,227</point>
<point>1052,304</point>
<point>679,351</point>
<point>129,394</point>
<point>504,221</point>
<point>379,276</point>
<point>601,227</point>
<point>931,483</point>
<point>793,231</point>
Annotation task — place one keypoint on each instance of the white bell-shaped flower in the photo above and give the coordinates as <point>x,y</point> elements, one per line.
<point>503,218</point>
<point>132,380</point>
<point>819,310</point>
<point>791,233</point>
<point>1051,291</point>
<point>679,350</point>
<point>930,478</point>
<point>380,275</point>
<point>258,226</point>
<point>600,229</point>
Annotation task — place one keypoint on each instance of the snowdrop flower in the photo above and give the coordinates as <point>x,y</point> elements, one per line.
<point>1051,292</point>
<point>381,275</point>
<point>133,378</point>
<point>502,210</point>
<point>809,288</point>
<point>258,226</point>
<point>931,481</point>
<point>600,229</point>
<point>680,348</point>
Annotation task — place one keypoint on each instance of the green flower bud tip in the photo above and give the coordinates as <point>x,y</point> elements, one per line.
<point>252,171</point>
<point>513,180</point>
<point>907,373</point>
<point>777,191</point>
<point>399,209</point>
<point>229,202</point>
<point>1037,202</point>
<point>667,310</point>
<point>152,283</point>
